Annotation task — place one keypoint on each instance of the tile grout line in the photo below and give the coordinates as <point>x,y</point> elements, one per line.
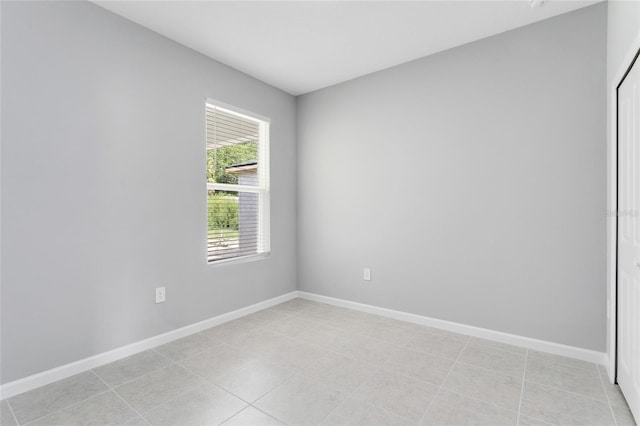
<point>486,344</point>
<point>208,381</point>
<point>234,414</point>
<point>368,404</point>
<point>306,377</point>
<point>12,412</point>
<point>296,373</point>
<point>572,367</point>
<point>111,389</point>
<point>347,332</point>
<point>193,389</point>
<point>590,398</point>
<point>426,329</point>
<point>296,338</point>
<point>436,331</point>
<point>359,333</point>
<point>249,403</point>
<point>378,369</point>
<point>527,354</point>
<point>479,341</point>
<point>482,401</point>
<point>524,378</point>
<point>349,395</point>
<point>172,363</point>
<point>444,380</point>
<point>217,342</point>
<point>615,420</point>
<point>137,377</point>
<point>211,382</point>
<point>423,328</point>
<point>398,345</point>
<point>489,370</point>
<point>456,360</point>
<point>64,408</point>
<point>334,352</point>
<point>226,419</point>
<point>262,411</point>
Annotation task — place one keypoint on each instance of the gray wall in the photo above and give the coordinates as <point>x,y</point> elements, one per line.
<point>103,186</point>
<point>623,29</point>
<point>472,182</point>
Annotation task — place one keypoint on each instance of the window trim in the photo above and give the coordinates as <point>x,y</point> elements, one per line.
<point>237,110</point>
<point>263,190</point>
<point>239,259</point>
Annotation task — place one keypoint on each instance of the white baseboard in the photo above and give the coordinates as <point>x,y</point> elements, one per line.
<point>19,386</point>
<point>44,378</point>
<point>497,336</point>
<point>610,368</point>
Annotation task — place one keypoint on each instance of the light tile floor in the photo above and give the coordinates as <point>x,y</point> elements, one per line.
<point>306,363</point>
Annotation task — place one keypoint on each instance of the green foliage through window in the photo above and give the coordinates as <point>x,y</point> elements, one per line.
<point>219,159</point>
<point>223,211</point>
<point>222,205</point>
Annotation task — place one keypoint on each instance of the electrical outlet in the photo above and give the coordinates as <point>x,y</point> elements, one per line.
<point>161,295</point>
<point>366,274</point>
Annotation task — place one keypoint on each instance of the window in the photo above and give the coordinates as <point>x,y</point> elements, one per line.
<point>237,183</point>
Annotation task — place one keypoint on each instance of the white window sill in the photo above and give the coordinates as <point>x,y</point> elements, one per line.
<point>241,259</point>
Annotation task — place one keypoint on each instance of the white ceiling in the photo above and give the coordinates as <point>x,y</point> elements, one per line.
<point>301,46</point>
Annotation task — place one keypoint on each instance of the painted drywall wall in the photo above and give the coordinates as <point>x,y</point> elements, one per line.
<point>623,41</point>
<point>623,30</point>
<point>103,189</point>
<point>471,182</point>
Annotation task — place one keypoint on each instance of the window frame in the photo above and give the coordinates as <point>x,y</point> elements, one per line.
<point>263,189</point>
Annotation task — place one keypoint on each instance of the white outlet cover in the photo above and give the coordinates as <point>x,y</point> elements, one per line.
<point>161,294</point>
<point>366,274</point>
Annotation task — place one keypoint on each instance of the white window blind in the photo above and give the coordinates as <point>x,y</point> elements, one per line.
<point>237,184</point>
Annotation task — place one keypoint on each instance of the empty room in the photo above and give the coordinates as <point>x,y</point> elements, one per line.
<point>320,212</point>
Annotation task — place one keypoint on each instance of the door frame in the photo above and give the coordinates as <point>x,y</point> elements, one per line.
<point>631,58</point>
